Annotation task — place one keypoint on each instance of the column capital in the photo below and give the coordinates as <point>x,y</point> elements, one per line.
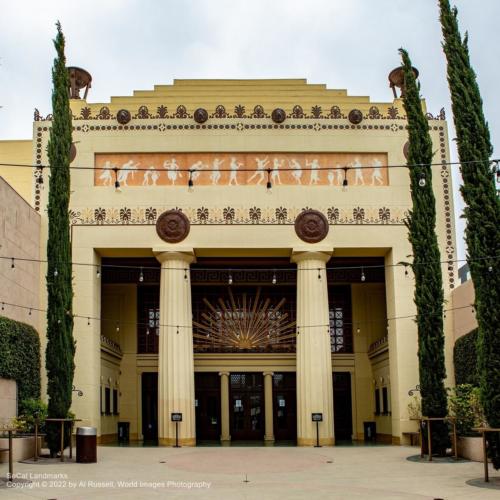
<point>224,373</point>
<point>164,254</point>
<point>268,373</point>
<point>320,253</point>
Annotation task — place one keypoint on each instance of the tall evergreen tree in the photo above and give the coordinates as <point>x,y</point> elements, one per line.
<point>426,265</point>
<point>60,344</point>
<point>482,213</point>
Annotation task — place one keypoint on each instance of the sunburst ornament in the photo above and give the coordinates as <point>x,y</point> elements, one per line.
<point>244,323</point>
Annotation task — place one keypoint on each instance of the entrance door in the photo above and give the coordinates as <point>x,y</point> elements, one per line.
<point>207,404</point>
<point>150,406</point>
<point>285,406</point>
<point>247,406</point>
<point>342,406</point>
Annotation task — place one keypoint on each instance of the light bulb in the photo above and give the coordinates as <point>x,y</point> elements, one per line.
<point>55,272</point>
<point>421,181</point>
<point>141,276</point>
<point>363,277</point>
<point>274,279</point>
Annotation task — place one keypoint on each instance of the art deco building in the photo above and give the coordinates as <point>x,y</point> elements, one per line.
<point>237,248</point>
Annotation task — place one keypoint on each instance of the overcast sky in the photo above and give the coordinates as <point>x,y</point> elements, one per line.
<point>135,44</point>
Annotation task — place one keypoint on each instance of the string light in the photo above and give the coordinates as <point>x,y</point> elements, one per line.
<point>490,268</point>
<point>230,279</point>
<point>141,276</point>
<point>147,331</point>
<point>358,329</point>
<point>39,179</point>
<point>421,180</point>
<point>12,265</point>
<point>98,272</point>
<point>274,280</point>
<point>29,314</point>
<point>138,324</point>
<point>117,182</point>
<point>117,326</point>
<point>56,273</point>
<point>363,277</point>
<point>185,275</point>
<point>190,182</point>
<point>344,182</point>
<point>319,273</point>
<point>269,185</point>
<point>177,330</point>
<point>406,270</point>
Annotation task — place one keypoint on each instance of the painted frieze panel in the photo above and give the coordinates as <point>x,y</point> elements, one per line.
<point>234,169</point>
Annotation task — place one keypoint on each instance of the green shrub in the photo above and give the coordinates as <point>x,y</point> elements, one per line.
<point>33,410</point>
<point>20,358</point>
<point>465,405</point>
<point>465,359</point>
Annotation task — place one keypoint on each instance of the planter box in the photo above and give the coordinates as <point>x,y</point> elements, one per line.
<point>471,448</point>
<point>23,448</point>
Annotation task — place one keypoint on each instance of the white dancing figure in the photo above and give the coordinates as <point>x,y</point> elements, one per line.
<point>314,179</point>
<point>127,169</point>
<point>215,175</point>
<point>195,169</point>
<point>173,170</point>
<point>297,170</point>
<point>106,177</point>
<point>147,176</point>
<point>377,172</point>
<point>358,169</point>
<point>233,176</point>
<point>331,177</point>
<point>261,167</point>
<point>275,174</point>
<point>340,174</point>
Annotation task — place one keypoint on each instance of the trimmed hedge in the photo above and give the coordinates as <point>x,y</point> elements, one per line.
<point>20,357</point>
<point>465,359</point>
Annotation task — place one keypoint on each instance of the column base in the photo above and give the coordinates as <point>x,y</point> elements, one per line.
<point>328,441</point>
<point>268,438</point>
<point>182,441</point>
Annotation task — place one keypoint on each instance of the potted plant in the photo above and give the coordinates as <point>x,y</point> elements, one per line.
<point>464,404</point>
<point>31,410</point>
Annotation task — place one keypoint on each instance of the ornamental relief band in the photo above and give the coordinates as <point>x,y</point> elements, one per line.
<point>234,169</point>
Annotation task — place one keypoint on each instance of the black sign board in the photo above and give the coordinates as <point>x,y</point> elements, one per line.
<point>317,417</point>
<point>176,417</point>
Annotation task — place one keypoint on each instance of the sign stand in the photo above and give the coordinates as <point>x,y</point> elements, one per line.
<point>317,417</point>
<point>176,417</point>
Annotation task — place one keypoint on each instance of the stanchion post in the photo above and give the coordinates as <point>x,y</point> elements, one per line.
<point>35,458</point>
<point>485,459</point>
<point>429,439</point>
<point>317,417</point>
<point>11,464</point>
<point>176,417</point>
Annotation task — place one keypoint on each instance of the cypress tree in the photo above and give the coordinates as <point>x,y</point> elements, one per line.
<point>60,344</point>
<point>426,266</point>
<point>482,213</point>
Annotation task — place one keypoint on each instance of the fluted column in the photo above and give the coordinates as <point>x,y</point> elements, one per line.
<point>225,435</point>
<point>314,361</point>
<point>268,406</point>
<point>175,354</point>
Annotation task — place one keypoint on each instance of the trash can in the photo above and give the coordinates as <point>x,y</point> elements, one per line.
<point>86,445</point>
<point>370,431</point>
<point>123,432</point>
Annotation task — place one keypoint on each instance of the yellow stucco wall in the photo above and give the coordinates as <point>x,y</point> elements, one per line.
<point>110,223</point>
<point>21,179</point>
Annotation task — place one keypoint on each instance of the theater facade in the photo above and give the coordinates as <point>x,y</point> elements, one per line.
<point>237,248</point>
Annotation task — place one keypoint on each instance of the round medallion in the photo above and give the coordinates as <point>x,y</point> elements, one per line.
<point>172,226</point>
<point>278,115</point>
<point>311,226</point>
<point>72,152</point>
<point>355,116</point>
<point>406,149</point>
<point>123,116</point>
<point>200,115</point>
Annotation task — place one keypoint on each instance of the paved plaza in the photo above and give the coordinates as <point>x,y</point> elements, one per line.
<point>354,472</point>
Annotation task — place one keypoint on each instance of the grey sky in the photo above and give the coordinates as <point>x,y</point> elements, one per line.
<point>135,44</point>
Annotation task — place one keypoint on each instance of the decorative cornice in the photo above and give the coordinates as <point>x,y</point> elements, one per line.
<point>240,111</point>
